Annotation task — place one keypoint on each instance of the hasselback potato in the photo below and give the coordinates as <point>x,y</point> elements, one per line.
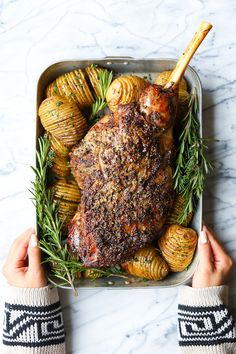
<point>183,100</point>
<point>58,147</point>
<point>177,209</point>
<point>74,87</point>
<point>93,72</point>
<point>52,89</point>
<point>183,94</point>
<point>60,163</point>
<point>183,97</point>
<point>147,263</point>
<point>177,246</point>
<point>61,166</point>
<point>67,194</point>
<point>163,78</point>
<point>124,89</point>
<point>62,119</point>
<point>67,190</point>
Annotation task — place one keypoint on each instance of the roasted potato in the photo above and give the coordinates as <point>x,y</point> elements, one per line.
<point>67,194</point>
<point>123,90</point>
<point>60,166</point>
<point>177,209</point>
<point>93,72</point>
<point>147,263</point>
<point>177,246</point>
<point>163,78</point>
<point>58,148</point>
<point>66,211</point>
<point>183,97</point>
<point>183,94</point>
<point>63,120</point>
<point>74,87</point>
<point>52,89</point>
<point>67,190</point>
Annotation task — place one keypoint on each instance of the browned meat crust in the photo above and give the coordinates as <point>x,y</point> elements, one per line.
<point>123,166</point>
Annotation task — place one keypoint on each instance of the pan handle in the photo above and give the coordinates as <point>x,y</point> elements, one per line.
<point>118,57</point>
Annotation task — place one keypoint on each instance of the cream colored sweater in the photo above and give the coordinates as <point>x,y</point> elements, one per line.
<point>205,323</point>
<point>33,322</point>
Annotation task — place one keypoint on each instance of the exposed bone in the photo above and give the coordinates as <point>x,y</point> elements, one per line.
<point>185,58</point>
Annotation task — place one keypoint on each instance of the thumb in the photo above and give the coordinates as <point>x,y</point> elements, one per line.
<point>34,254</point>
<point>204,248</point>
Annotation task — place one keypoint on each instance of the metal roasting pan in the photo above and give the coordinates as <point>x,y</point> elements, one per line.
<point>141,67</point>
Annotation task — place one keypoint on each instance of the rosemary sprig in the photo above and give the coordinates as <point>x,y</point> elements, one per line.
<point>104,81</point>
<point>63,265</point>
<point>191,164</point>
<point>97,106</point>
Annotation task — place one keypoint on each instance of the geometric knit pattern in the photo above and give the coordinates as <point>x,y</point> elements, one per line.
<point>33,326</point>
<point>205,326</point>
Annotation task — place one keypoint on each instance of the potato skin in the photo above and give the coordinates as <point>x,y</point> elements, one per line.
<point>62,119</point>
<point>60,166</point>
<point>163,77</point>
<point>74,87</point>
<point>57,147</point>
<point>67,190</point>
<point>124,89</point>
<point>176,210</point>
<point>93,72</point>
<point>147,263</point>
<point>183,94</point>
<point>177,246</point>
<point>67,194</point>
<point>52,89</point>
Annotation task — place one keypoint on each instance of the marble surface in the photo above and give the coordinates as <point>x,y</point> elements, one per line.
<point>33,34</point>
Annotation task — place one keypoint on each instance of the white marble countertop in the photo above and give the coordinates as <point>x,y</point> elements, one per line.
<point>33,34</point>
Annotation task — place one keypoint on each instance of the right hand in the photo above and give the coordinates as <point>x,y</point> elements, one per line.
<point>214,263</point>
<point>23,267</point>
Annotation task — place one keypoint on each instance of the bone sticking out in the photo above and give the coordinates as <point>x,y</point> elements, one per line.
<point>185,58</point>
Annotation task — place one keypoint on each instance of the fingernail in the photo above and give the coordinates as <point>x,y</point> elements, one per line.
<point>33,241</point>
<point>203,236</point>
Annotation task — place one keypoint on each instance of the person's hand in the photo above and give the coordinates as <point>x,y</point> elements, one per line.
<point>214,263</point>
<point>23,267</point>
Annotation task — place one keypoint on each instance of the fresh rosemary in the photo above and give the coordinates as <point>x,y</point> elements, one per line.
<point>191,164</point>
<point>104,81</point>
<point>63,265</point>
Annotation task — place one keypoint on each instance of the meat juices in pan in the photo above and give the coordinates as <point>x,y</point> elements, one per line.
<point>124,168</point>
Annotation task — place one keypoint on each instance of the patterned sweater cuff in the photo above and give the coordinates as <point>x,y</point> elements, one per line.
<point>47,295</point>
<point>204,322</point>
<point>33,321</point>
<point>202,297</point>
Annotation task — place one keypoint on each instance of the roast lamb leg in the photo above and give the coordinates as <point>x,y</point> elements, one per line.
<point>124,169</point>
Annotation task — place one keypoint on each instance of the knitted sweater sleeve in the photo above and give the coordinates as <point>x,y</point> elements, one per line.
<point>204,321</point>
<point>33,321</point>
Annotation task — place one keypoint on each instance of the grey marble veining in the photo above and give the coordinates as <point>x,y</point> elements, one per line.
<point>33,34</point>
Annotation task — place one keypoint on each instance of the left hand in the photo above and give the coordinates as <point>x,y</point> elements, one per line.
<point>23,267</point>
<point>214,263</point>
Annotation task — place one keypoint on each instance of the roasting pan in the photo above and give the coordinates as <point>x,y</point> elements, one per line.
<point>142,67</point>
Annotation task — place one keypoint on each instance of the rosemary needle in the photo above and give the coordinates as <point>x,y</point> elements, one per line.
<point>104,81</point>
<point>191,164</point>
<point>63,265</point>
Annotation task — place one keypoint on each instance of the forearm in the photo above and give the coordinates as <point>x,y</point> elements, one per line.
<point>205,324</point>
<point>33,321</point>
